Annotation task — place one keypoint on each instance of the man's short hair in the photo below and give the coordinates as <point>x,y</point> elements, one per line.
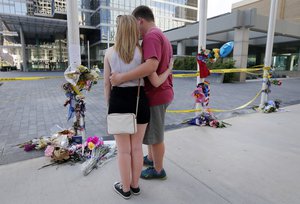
<point>143,12</point>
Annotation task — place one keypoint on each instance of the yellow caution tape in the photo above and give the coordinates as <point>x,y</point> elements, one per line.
<point>185,75</point>
<point>29,78</point>
<point>216,110</point>
<point>234,70</point>
<point>220,71</point>
<point>256,74</point>
<point>258,66</point>
<point>184,111</point>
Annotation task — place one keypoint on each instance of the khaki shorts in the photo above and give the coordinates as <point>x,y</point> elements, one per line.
<point>156,127</point>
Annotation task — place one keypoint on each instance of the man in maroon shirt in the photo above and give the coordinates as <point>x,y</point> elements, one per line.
<point>157,53</point>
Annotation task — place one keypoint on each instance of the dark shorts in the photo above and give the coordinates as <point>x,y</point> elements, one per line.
<point>123,100</point>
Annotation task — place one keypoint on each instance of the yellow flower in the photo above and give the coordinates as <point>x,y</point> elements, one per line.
<point>91,145</point>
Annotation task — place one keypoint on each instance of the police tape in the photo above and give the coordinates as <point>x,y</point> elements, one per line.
<point>216,110</point>
<point>219,71</point>
<point>195,74</point>
<point>28,78</point>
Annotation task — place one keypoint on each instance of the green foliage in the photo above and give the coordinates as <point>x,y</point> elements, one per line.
<point>190,63</point>
<point>227,63</point>
<point>185,63</point>
<point>100,64</point>
<point>221,64</point>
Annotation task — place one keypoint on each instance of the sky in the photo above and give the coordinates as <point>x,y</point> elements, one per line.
<point>218,7</point>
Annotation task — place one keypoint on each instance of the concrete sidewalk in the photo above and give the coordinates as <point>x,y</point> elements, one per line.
<point>256,160</point>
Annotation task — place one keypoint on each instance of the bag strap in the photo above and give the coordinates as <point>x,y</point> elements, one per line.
<point>138,98</point>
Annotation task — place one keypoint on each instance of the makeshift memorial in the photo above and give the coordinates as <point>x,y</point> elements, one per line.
<point>96,153</point>
<point>35,144</point>
<point>206,119</point>
<point>66,145</point>
<point>276,82</point>
<point>100,155</point>
<point>202,93</point>
<point>80,79</point>
<point>206,55</point>
<point>209,56</point>
<point>201,60</point>
<point>269,107</point>
<point>61,149</point>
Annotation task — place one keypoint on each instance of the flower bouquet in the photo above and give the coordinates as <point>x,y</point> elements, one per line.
<point>269,107</point>
<point>276,82</point>
<point>201,93</point>
<point>35,144</point>
<point>206,119</point>
<point>98,154</point>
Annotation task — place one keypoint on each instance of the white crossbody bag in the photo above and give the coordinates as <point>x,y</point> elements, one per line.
<point>123,123</point>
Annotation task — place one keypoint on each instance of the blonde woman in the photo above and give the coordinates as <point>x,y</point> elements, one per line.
<point>124,56</point>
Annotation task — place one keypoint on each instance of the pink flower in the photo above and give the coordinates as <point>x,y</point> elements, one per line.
<point>89,139</point>
<point>279,83</point>
<point>199,95</point>
<point>49,151</point>
<point>101,142</point>
<point>214,123</point>
<point>29,147</point>
<point>95,140</point>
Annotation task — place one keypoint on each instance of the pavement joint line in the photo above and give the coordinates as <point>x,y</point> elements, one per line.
<point>204,184</point>
<point>1,154</point>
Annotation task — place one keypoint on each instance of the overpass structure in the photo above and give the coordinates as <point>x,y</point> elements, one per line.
<point>246,28</point>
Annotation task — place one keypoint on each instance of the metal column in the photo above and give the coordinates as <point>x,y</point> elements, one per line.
<point>23,51</point>
<point>73,34</point>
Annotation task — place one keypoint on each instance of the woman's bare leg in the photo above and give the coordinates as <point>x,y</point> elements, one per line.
<point>137,154</point>
<point>124,159</point>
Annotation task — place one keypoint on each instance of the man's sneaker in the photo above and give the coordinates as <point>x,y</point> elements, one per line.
<point>118,187</point>
<point>135,191</point>
<point>147,162</point>
<point>151,173</point>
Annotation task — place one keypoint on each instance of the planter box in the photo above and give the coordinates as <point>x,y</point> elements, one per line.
<point>215,78</point>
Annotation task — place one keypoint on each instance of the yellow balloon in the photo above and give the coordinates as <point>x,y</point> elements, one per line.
<point>217,53</point>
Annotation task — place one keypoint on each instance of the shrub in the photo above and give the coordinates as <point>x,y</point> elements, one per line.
<point>190,63</point>
<point>227,63</point>
<point>185,63</point>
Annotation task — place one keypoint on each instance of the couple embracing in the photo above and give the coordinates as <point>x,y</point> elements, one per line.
<point>126,66</point>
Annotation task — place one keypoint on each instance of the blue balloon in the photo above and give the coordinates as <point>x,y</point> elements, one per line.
<point>226,49</point>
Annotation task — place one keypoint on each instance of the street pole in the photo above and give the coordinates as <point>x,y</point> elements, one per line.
<point>269,49</point>
<point>73,35</point>
<point>1,44</point>
<point>108,34</point>
<point>88,52</point>
<point>202,18</point>
<point>74,62</point>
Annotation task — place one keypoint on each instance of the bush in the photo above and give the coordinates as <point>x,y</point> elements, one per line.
<point>190,63</point>
<point>185,63</point>
<point>224,64</point>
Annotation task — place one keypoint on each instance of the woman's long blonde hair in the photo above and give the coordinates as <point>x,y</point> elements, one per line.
<point>127,37</point>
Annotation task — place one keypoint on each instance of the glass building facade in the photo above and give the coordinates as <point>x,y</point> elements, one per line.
<point>96,22</point>
<point>168,13</point>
